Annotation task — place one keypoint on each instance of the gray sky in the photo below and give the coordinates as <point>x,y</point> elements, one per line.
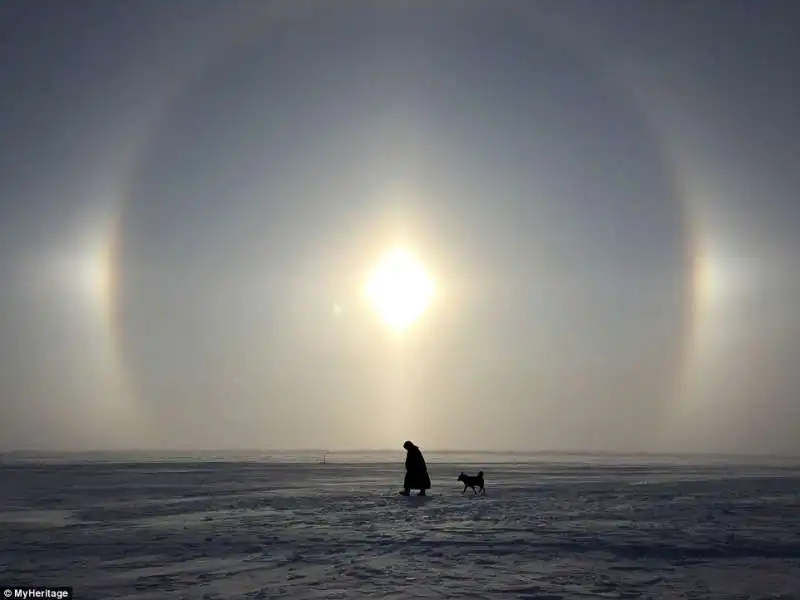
<point>604,193</point>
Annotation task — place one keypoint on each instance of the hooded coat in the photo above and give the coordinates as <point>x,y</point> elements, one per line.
<point>417,477</point>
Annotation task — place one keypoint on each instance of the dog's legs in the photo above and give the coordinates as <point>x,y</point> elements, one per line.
<point>464,490</point>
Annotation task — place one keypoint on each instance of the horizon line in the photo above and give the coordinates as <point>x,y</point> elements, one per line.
<point>173,451</point>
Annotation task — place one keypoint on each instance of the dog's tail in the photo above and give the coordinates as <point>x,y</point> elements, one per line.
<point>480,473</point>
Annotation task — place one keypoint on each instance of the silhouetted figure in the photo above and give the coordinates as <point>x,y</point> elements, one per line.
<point>416,471</point>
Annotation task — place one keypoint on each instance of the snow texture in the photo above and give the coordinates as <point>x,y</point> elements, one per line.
<point>288,526</point>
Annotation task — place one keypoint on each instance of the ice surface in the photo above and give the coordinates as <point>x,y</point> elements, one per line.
<point>287,526</point>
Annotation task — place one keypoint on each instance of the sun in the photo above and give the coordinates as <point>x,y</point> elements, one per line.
<point>399,289</point>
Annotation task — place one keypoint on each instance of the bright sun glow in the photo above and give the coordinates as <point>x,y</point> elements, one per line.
<point>399,289</point>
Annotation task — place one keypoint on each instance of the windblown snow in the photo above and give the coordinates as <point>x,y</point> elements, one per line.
<point>291,527</point>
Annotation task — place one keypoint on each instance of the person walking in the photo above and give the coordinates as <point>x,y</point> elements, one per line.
<point>417,477</point>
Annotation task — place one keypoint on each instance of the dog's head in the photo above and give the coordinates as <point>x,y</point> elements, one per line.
<point>462,477</point>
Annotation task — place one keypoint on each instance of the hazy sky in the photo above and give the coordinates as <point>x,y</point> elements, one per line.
<point>605,194</point>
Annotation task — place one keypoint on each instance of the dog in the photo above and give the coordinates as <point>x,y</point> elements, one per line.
<point>473,482</point>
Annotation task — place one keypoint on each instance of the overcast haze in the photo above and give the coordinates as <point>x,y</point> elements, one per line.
<point>604,193</point>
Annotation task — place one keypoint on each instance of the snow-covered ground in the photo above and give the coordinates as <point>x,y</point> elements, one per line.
<point>289,527</point>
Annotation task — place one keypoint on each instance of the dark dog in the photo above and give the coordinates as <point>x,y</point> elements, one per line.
<point>473,482</point>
